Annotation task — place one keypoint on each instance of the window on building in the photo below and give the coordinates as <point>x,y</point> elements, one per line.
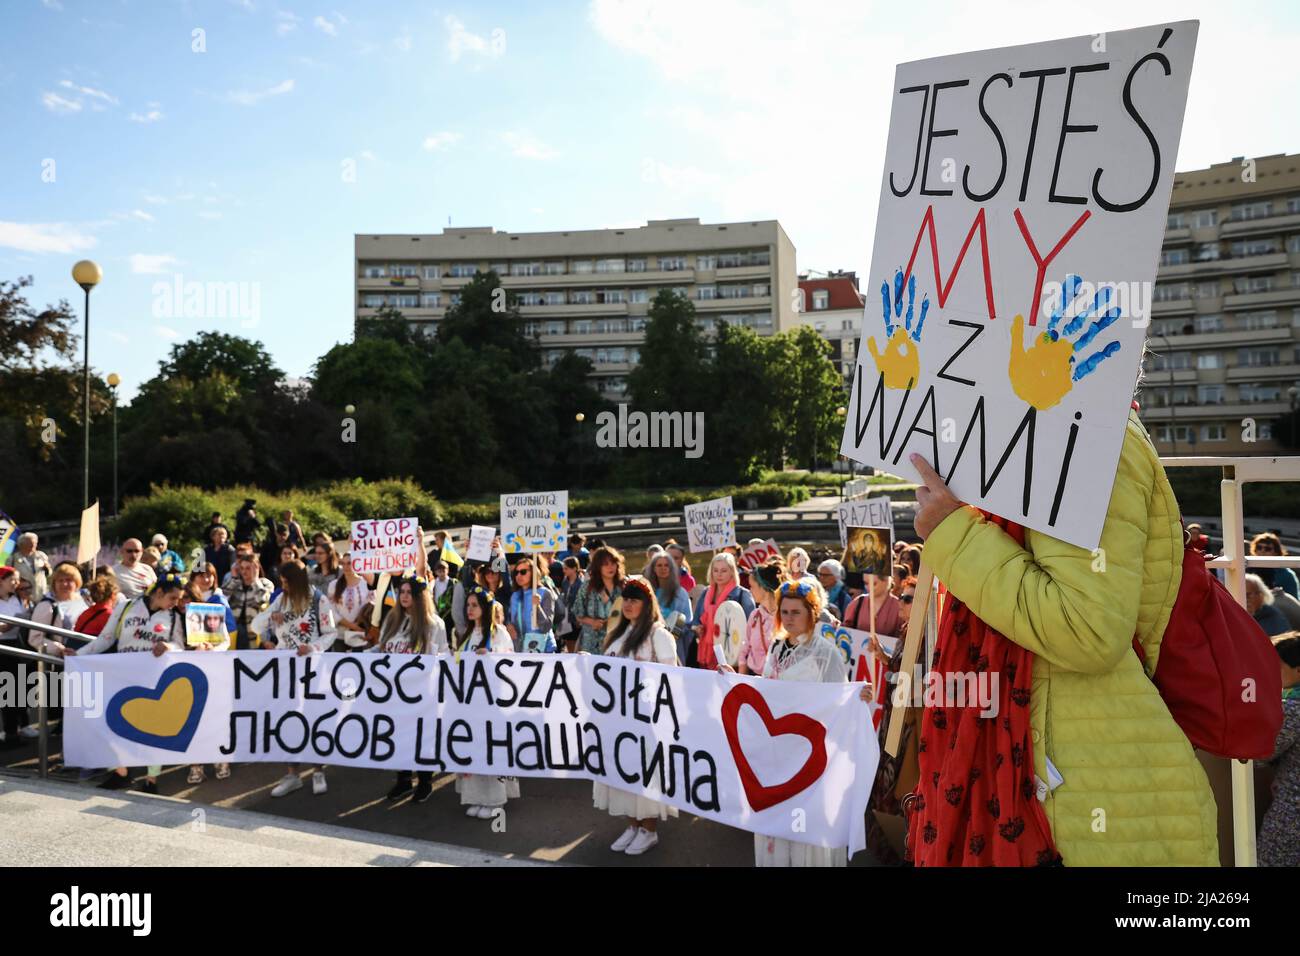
<point>432,272</point>
<point>1176,220</point>
<point>634,356</point>
<point>1259,357</point>
<point>1168,433</point>
<point>554,328</point>
<point>846,325</point>
<point>1251,392</point>
<point>531,298</point>
<point>1251,210</point>
<point>672,263</point>
<point>636,265</point>
<point>525,268</point>
<point>375,272</point>
<point>554,298</point>
<point>1213,433</point>
<point>462,270</point>
<point>1173,257</point>
<point>636,325</point>
<point>500,268</point>
<point>1209,394</point>
<point>1207,290</point>
<point>406,301</point>
<point>1264,431</point>
<point>614,295</point>
<point>609,265</point>
<point>1251,321</point>
<point>706,292</point>
<point>553,269</point>
<point>821,300</point>
<point>1209,360</point>
<point>1245,285</point>
<point>1255,247</point>
<point>531,329</point>
<point>1203,218</point>
<point>1207,252</point>
<point>372,301</point>
<point>455,298</point>
<point>1171,291</point>
<point>1293,204</point>
<point>431,300</point>
<point>706,263</point>
<point>582,267</point>
<point>639,295</point>
<point>582,327</point>
<point>1293,243</point>
<point>582,297</point>
<point>1163,362</point>
<point>1209,323</point>
<point>405,272</point>
<point>617,356</point>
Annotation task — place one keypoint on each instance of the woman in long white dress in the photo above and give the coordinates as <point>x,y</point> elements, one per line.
<point>640,635</point>
<point>480,794</point>
<point>797,653</point>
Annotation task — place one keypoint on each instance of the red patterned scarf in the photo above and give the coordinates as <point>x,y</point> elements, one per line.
<point>976,801</point>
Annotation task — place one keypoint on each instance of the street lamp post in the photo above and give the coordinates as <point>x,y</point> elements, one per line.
<point>87,275</point>
<point>840,413</point>
<point>113,382</point>
<point>579,418</point>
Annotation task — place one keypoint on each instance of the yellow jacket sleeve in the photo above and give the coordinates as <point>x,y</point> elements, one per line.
<point>1076,609</point>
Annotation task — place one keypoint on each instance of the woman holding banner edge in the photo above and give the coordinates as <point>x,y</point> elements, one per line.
<point>480,794</point>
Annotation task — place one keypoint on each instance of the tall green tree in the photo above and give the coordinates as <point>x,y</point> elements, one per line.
<point>810,390</point>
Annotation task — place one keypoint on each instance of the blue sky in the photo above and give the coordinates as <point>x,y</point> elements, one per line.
<point>230,165</point>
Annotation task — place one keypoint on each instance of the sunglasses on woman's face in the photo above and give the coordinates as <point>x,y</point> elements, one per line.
<point>905,598</point>
<point>522,573</point>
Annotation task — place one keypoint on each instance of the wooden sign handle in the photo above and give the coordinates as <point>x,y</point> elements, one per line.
<point>911,650</point>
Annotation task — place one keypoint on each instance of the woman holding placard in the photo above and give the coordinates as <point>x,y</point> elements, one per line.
<point>349,596</point>
<point>673,600</point>
<point>640,636</point>
<point>797,653</point>
<point>480,794</point>
<point>724,585</point>
<point>764,581</point>
<point>598,597</point>
<point>301,619</point>
<point>531,621</point>
<point>412,627</point>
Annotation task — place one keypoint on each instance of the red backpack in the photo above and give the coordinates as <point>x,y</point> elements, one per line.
<point>1217,671</point>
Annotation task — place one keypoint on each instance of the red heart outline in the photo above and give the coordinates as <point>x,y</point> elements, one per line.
<point>759,796</point>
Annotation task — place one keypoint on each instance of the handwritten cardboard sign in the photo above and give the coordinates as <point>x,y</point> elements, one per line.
<point>863,665</point>
<point>756,554</point>
<point>1011,285</point>
<point>480,542</point>
<point>711,524</point>
<point>864,513</point>
<point>535,521</point>
<point>385,546</point>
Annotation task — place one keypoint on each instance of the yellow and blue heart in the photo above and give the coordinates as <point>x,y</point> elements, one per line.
<point>165,716</point>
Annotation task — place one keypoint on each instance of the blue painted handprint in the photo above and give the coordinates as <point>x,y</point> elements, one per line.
<point>901,363</point>
<point>1045,372</point>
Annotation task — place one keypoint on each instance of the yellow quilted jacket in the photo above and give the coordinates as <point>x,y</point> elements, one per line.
<point>1134,792</point>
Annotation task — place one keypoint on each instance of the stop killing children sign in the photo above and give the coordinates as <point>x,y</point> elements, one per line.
<point>1022,208</point>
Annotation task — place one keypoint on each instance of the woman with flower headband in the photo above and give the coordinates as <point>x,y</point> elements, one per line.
<point>641,636</point>
<point>797,653</point>
<point>724,585</point>
<point>764,582</point>
<point>412,627</point>
<point>302,620</point>
<point>149,623</point>
<point>480,794</point>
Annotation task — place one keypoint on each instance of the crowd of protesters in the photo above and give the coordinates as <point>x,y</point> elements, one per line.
<point>287,592</point>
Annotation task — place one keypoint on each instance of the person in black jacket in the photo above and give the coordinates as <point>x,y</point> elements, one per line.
<point>246,522</point>
<point>277,536</point>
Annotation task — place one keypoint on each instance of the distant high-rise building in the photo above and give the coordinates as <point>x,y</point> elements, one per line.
<point>1224,366</point>
<point>588,291</point>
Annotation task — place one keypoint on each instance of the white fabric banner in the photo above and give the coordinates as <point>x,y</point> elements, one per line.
<point>782,758</point>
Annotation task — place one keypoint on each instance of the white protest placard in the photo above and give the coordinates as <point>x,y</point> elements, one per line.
<point>756,554</point>
<point>854,644</point>
<point>385,545</point>
<point>711,524</point>
<point>1012,284</point>
<point>480,542</point>
<point>88,539</point>
<point>743,751</point>
<point>864,513</point>
<point>535,521</point>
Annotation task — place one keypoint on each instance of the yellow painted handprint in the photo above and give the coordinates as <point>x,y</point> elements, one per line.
<point>900,364</point>
<point>1044,373</point>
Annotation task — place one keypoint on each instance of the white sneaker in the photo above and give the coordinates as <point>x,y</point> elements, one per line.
<point>487,813</point>
<point>644,840</point>
<point>318,784</point>
<point>472,810</point>
<point>288,784</point>
<point>621,844</point>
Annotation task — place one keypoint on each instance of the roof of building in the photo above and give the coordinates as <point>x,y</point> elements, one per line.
<point>843,291</point>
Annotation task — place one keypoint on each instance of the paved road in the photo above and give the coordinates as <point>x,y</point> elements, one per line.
<point>554,820</point>
<point>45,823</point>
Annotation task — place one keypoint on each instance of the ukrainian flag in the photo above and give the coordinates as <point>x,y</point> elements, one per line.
<point>450,555</point>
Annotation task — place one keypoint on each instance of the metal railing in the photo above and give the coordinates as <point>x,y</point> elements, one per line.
<point>1237,472</point>
<point>42,704</point>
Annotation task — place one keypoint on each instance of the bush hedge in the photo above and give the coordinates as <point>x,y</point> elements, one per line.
<point>182,512</point>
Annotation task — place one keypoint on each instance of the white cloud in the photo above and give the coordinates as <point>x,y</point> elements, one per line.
<point>119,337</point>
<point>166,332</point>
<point>286,22</point>
<point>528,147</point>
<point>253,97</point>
<point>155,199</point>
<point>152,116</point>
<point>58,104</point>
<point>44,237</point>
<point>460,40</point>
<point>403,42</point>
<point>367,154</point>
<point>52,4</point>
<point>439,141</point>
<point>330,25</point>
<point>141,215</point>
<point>89,91</point>
<point>152,265</point>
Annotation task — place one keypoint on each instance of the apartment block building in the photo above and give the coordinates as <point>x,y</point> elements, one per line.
<point>1225,321</point>
<point>589,291</point>
<point>833,306</point>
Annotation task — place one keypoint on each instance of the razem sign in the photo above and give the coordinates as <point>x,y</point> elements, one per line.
<point>1022,208</point>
